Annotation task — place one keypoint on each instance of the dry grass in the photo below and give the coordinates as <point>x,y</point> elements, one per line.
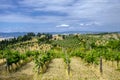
<point>24,73</point>
<point>81,71</point>
<point>110,72</point>
<point>27,69</point>
<point>56,71</point>
<point>2,61</point>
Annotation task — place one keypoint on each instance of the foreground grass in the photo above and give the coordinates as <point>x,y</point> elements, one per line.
<point>57,71</point>
<point>83,71</point>
<point>24,73</point>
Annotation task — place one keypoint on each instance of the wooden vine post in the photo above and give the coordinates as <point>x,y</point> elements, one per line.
<point>68,63</point>
<point>101,68</point>
<point>68,68</point>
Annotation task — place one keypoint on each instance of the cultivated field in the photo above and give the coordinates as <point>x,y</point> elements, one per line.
<point>65,57</point>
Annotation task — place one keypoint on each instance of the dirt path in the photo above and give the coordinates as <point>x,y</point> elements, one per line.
<point>56,70</point>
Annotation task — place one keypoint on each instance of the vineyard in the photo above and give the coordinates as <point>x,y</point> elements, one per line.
<point>65,57</point>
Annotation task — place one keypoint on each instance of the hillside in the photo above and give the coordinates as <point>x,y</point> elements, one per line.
<point>65,57</point>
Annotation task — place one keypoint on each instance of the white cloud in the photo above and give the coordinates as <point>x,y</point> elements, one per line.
<point>93,23</point>
<point>82,24</point>
<point>63,26</point>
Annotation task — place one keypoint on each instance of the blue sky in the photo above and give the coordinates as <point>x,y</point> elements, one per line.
<point>59,15</point>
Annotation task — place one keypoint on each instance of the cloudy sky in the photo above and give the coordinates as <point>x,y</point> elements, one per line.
<point>59,15</point>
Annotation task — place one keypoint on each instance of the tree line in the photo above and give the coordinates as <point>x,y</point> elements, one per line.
<point>28,36</point>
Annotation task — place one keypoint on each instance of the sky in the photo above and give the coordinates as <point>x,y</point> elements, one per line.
<point>59,15</point>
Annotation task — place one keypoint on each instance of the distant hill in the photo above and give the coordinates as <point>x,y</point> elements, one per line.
<point>83,32</point>
<point>16,34</point>
<point>11,34</point>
